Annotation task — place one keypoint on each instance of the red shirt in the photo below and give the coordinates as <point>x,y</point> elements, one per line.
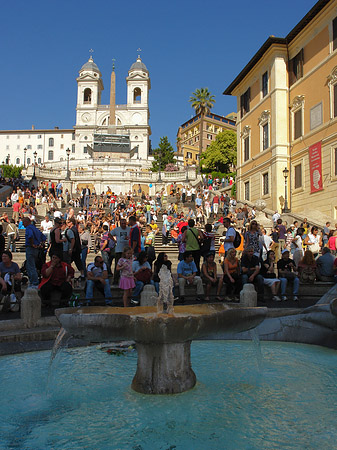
<point>16,207</point>
<point>59,274</point>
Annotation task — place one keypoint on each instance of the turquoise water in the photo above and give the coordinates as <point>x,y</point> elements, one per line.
<point>290,402</point>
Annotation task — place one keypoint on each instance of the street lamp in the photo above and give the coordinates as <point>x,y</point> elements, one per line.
<point>35,155</point>
<point>68,155</point>
<point>24,158</point>
<point>286,174</point>
<point>186,159</point>
<point>159,172</point>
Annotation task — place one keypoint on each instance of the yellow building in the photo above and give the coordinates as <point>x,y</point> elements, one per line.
<point>287,118</point>
<point>188,136</point>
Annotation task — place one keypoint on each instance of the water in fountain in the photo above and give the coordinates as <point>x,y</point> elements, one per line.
<point>232,406</point>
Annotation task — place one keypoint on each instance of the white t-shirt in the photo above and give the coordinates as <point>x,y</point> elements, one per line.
<point>230,233</point>
<point>122,238</point>
<point>57,214</point>
<point>46,226</point>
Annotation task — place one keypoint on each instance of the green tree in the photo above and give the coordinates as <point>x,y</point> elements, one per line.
<point>202,101</point>
<point>10,171</point>
<point>163,155</point>
<point>222,153</point>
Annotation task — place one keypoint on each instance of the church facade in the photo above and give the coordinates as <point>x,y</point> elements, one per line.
<point>101,131</point>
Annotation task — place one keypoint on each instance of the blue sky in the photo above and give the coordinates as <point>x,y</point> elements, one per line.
<point>185,45</point>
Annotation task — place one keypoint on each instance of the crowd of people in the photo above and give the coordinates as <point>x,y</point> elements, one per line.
<point>121,230</point>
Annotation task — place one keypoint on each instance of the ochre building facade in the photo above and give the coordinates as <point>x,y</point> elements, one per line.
<point>287,118</point>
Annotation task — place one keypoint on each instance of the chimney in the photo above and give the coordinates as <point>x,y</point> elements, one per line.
<point>33,127</point>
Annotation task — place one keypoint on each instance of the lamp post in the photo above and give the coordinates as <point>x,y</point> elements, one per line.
<point>186,159</point>
<point>159,172</point>
<point>35,155</point>
<point>286,174</point>
<point>24,157</point>
<point>68,172</point>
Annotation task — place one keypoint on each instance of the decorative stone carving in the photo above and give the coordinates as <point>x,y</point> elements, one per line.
<point>332,78</point>
<point>245,131</point>
<point>261,218</point>
<point>297,103</point>
<point>264,117</point>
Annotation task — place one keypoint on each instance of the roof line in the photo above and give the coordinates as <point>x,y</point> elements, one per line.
<point>276,40</point>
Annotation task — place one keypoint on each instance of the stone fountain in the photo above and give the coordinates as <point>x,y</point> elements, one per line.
<point>163,336</point>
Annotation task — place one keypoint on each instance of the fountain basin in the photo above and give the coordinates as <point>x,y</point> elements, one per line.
<point>142,324</point>
<point>163,340</point>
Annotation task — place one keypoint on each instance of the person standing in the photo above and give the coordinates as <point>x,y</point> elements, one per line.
<point>134,237</point>
<point>121,235</point>
<point>34,238</point>
<point>191,237</point>
<point>86,197</point>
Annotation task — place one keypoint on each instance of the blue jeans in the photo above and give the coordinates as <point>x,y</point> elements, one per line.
<point>31,256</point>
<point>90,289</point>
<point>284,282</point>
<point>84,253</point>
<point>138,288</point>
<point>148,216</point>
<point>258,281</point>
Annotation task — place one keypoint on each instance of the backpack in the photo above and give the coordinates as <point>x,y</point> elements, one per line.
<point>205,246</point>
<point>237,239</point>
<point>77,247</point>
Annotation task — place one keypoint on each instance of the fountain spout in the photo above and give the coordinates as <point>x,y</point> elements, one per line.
<point>165,299</point>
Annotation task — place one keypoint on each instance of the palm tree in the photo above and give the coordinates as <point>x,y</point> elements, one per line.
<point>202,101</point>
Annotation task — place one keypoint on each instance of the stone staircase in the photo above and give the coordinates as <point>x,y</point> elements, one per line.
<point>308,294</point>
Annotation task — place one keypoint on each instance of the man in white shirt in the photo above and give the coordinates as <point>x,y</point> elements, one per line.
<point>46,226</point>
<point>121,235</point>
<point>276,216</point>
<point>57,214</point>
<point>230,235</point>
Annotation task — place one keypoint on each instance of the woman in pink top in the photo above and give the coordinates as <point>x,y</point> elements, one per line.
<point>332,242</point>
<point>126,281</point>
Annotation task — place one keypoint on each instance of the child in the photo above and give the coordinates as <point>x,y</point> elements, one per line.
<point>126,282</point>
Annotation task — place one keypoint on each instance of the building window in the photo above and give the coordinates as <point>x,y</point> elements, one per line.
<point>137,95</point>
<point>247,191</point>
<point>296,67</point>
<point>17,161</point>
<point>265,183</point>
<point>245,102</point>
<point>29,147</point>
<point>87,95</point>
<point>209,136</point>
<point>298,124</point>
<point>18,137</point>
<point>7,147</point>
<point>50,155</point>
<point>298,176</point>
<point>51,142</point>
<point>28,161</point>
<point>264,84</point>
<point>73,136</point>
<point>85,150</point>
<point>61,146</point>
<point>39,160</point>
<point>189,155</point>
<point>18,147</point>
<point>297,110</point>
<point>246,149</point>
<point>7,137</point>
<point>39,136</point>
<point>334,34</point>
<point>73,148</point>
<point>61,136</point>
<point>265,136</point>
<point>39,147</point>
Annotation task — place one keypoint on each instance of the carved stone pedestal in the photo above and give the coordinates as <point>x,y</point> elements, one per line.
<point>164,368</point>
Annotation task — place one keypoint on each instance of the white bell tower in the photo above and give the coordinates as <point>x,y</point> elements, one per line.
<point>89,89</point>
<point>138,86</point>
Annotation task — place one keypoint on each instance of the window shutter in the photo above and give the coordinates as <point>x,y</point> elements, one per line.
<point>298,176</point>
<point>334,34</point>
<point>298,124</point>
